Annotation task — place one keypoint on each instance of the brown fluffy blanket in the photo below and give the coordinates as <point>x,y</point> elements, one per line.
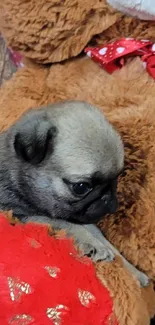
<point>52,31</point>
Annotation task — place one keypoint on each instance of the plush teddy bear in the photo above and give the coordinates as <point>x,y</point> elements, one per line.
<point>47,32</point>
<point>52,31</point>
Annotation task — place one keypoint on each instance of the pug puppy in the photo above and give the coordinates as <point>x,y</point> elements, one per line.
<point>60,165</point>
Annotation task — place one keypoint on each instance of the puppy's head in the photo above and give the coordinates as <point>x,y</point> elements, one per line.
<point>68,158</point>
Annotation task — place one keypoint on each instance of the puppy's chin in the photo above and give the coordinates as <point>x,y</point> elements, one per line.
<point>95,212</point>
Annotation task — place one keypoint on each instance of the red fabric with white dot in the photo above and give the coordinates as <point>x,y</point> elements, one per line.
<point>111,56</point>
<point>43,281</point>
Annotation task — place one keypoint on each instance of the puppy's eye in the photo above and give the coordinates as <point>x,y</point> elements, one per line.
<point>81,188</point>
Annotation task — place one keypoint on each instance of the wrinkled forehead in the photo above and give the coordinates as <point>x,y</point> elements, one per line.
<point>84,160</point>
<point>87,143</point>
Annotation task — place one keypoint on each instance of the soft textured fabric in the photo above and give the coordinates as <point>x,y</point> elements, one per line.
<point>112,56</point>
<point>126,26</point>
<point>48,31</point>
<point>143,9</point>
<point>40,261</point>
<point>51,31</point>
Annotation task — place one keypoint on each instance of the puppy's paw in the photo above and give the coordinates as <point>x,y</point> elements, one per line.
<point>95,254</point>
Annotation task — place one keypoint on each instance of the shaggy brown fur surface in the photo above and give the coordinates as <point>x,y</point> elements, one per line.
<point>50,31</point>
<point>127,27</point>
<point>127,98</point>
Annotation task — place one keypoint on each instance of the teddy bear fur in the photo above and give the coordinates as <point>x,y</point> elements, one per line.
<point>50,32</point>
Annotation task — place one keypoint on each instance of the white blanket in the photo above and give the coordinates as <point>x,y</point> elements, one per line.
<point>143,9</point>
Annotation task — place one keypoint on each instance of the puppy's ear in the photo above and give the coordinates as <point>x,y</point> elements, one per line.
<point>34,138</point>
